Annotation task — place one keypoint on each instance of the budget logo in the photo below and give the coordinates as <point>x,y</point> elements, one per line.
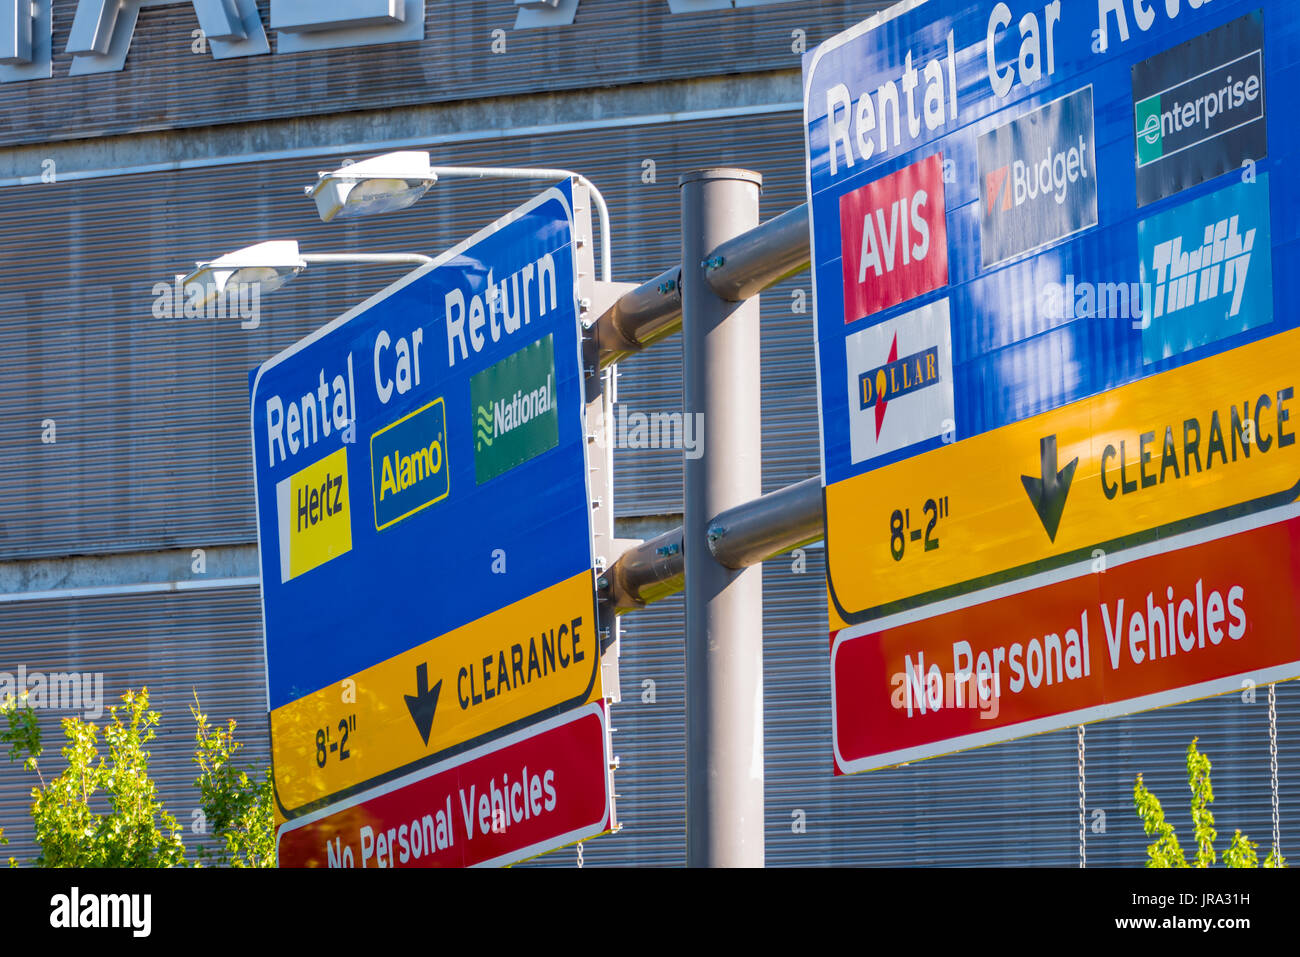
<point>314,515</point>
<point>514,410</point>
<point>1208,264</point>
<point>408,464</point>
<point>1038,179</point>
<point>900,382</point>
<point>1199,109</point>
<point>894,239</point>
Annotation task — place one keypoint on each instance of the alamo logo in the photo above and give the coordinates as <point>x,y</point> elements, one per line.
<point>408,464</point>
<point>1199,109</point>
<point>513,404</point>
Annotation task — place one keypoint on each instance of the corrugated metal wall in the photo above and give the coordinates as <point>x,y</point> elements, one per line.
<point>150,414</point>
<point>166,86</point>
<point>178,645</point>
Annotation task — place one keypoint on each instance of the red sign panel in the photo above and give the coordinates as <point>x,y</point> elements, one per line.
<point>530,793</point>
<point>894,239</point>
<point>1143,631</point>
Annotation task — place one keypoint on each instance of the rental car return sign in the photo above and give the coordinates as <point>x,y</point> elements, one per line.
<point>427,570</point>
<point>1052,252</point>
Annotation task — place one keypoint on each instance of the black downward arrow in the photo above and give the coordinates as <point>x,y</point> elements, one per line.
<point>1048,493</point>
<point>424,702</point>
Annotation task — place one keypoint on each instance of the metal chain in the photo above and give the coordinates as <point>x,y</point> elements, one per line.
<point>1272,762</point>
<point>1083,799</point>
<point>579,853</point>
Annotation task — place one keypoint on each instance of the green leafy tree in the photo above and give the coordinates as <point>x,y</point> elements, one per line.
<point>99,812</point>
<point>105,812</point>
<point>235,805</point>
<point>1165,851</point>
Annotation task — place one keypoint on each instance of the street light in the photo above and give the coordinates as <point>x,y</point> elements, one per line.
<point>270,265</point>
<point>396,180</point>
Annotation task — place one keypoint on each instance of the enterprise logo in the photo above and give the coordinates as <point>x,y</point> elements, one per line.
<point>1204,116</point>
<point>1199,109</point>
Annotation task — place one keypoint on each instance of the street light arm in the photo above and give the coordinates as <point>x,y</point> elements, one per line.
<point>510,172</point>
<point>357,259</point>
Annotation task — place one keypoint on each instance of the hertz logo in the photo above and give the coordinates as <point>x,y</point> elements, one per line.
<point>315,515</point>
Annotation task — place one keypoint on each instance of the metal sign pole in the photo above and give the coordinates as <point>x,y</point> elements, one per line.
<point>724,607</point>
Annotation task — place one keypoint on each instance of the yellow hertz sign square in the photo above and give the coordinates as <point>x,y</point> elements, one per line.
<point>315,515</point>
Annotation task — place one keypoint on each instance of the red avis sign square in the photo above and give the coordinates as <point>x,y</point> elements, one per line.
<point>894,239</point>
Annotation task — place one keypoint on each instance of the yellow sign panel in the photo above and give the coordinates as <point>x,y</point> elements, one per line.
<point>1185,445</point>
<point>540,654</point>
<point>315,515</point>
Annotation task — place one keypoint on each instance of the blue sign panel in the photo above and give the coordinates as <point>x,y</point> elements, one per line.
<point>1072,356</point>
<point>1034,109</point>
<point>378,528</point>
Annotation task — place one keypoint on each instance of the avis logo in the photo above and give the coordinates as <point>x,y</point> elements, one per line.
<point>894,239</point>
<point>900,382</point>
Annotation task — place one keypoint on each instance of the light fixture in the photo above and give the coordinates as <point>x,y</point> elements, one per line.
<point>396,180</point>
<point>271,264</point>
<point>379,185</point>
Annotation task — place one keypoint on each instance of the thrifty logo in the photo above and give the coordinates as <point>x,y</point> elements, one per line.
<point>1208,263</point>
<point>1218,267</point>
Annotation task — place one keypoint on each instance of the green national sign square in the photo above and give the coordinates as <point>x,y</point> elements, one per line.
<point>514,410</point>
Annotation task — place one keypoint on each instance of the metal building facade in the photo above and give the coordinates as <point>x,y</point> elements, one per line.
<point>151,413</point>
